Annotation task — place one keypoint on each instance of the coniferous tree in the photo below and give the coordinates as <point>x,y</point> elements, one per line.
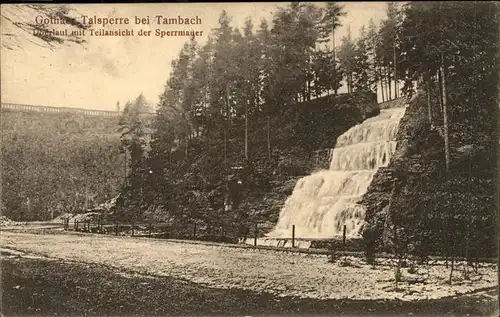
<point>223,76</point>
<point>347,59</point>
<point>362,64</point>
<point>372,40</point>
<point>132,126</point>
<point>267,103</point>
<point>330,22</point>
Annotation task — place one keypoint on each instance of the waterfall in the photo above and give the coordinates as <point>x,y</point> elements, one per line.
<point>322,203</point>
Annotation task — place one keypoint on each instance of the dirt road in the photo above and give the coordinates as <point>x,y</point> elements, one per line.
<point>278,273</point>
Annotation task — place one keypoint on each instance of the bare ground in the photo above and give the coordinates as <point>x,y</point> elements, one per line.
<point>41,286</point>
<point>278,273</point>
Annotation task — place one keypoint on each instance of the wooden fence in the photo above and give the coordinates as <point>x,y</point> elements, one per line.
<point>172,231</point>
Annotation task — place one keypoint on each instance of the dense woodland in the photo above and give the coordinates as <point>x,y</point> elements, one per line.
<point>47,171</point>
<point>219,92</point>
<point>222,93</point>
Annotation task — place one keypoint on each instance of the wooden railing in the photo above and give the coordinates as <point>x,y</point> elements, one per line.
<point>45,109</point>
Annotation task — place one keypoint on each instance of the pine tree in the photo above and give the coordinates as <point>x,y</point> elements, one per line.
<point>294,38</point>
<point>132,126</point>
<point>362,65</point>
<point>330,22</point>
<point>371,46</point>
<point>223,75</point>
<point>347,59</point>
<point>388,48</point>
<point>251,76</point>
<point>267,103</point>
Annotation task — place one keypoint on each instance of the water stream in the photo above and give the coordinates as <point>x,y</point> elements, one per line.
<point>323,202</point>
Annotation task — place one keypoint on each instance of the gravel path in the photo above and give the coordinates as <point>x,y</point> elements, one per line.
<point>279,273</point>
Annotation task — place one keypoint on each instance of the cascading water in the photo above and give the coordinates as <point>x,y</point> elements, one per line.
<point>322,203</point>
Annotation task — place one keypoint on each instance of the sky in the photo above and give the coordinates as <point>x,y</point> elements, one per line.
<point>107,70</point>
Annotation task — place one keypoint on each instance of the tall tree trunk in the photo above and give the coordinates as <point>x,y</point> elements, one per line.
<point>86,198</point>
<point>389,84</point>
<point>269,137</point>
<point>334,58</point>
<point>440,90</point>
<point>187,144</point>
<point>246,131</point>
<point>384,78</point>
<point>396,86</point>
<point>445,115</point>
<point>468,258</point>
<point>226,123</point>
<point>125,164</point>
<point>225,145</point>
<point>308,90</point>
<point>429,112</point>
<point>379,75</point>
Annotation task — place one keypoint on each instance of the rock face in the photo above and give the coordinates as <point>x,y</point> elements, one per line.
<point>446,208</point>
<point>413,158</point>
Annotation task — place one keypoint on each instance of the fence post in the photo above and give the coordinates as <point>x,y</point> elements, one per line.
<point>77,225</point>
<point>150,229</point>
<point>133,227</point>
<point>116,228</point>
<point>343,237</point>
<point>293,236</point>
<point>255,235</point>
<point>194,231</point>
<point>74,224</point>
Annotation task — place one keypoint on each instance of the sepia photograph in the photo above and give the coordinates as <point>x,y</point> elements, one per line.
<point>250,159</point>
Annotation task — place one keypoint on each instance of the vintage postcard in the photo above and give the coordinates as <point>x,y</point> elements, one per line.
<point>249,159</point>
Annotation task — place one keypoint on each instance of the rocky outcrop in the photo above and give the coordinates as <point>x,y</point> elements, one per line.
<point>448,208</point>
